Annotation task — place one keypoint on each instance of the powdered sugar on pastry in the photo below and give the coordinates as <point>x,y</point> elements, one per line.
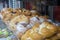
<point>21,28</point>
<point>34,19</point>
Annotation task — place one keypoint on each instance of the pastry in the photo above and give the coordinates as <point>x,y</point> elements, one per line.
<point>9,14</point>
<point>20,30</point>
<point>47,29</point>
<point>29,25</point>
<point>19,20</point>
<point>31,34</point>
<point>18,25</point>
<point>41,32</point>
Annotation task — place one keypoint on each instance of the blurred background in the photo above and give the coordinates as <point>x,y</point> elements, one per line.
<point>45,7</point>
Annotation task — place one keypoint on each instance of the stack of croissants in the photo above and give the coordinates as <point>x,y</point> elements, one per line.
<point>29,24</point>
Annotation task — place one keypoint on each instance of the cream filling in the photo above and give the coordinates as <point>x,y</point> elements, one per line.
<point>21,28</point>
<point>33,19</point>
<point>28,26</point>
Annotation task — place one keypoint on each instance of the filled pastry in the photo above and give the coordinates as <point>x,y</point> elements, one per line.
<point>22,19</point>
<point>32,34</point>
<point>40,31</point>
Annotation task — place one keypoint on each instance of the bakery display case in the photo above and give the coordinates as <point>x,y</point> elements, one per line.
<point>27,20</point>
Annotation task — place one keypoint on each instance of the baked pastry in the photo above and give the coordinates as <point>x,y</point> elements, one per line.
<point>58,33</point>
<point>47,29</point>
<point>6,11</point>
<point>18,25</point>
<point>19,31</point>
<point>9,14</point>
<point>28,25</point>
<point>22,19</point>
<point>31,34</point>
<point>40,32</point>
<point>6,14</point>
<point>55,36</point>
